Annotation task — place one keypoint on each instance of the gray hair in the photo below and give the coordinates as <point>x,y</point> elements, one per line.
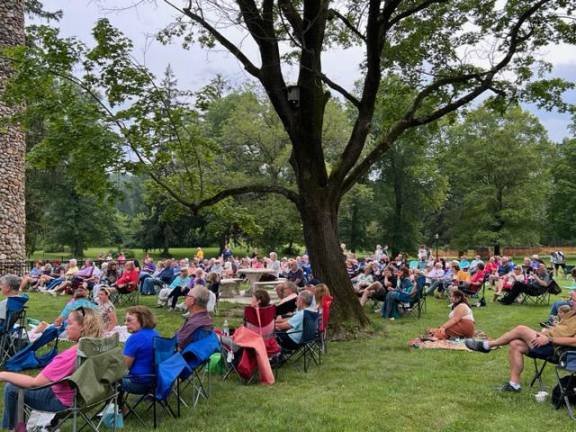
<point>306,297</point>
<point>11,281</point>
<point>201,295</point>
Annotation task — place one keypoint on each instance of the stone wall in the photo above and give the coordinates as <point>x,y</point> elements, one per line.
<point>12,147</point>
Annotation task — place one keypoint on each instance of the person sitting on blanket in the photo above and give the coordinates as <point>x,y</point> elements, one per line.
<point>525,341</point>
<point>537,284</point>
<point>10,287</point>
<point>58,397</point>
<point>138,352</point>
<point>290,329</point>
<point>460,320</point>
<point>198,319</point>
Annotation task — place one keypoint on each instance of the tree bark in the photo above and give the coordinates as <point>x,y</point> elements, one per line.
<point>319,218</point>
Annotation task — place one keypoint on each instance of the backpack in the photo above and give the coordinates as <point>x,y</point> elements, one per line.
<point>554,288</point>
<point>569,384</point>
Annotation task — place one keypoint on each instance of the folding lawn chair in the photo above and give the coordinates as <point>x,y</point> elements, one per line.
<point>478,294</point>
<point>163,349</point>
<point>130,298</point>
<point>100,367</point>
<point>37,354</point>
<point>197,357</point>
<point>540,299</point>
<point>307,349</point>
<point>261,321</point>
<point>418,303</point>
<point>539,368</point>
<point>323,323</point>
<point>13,334</point>
<point>565,391</point>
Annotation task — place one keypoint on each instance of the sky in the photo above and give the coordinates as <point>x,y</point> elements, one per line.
<point>194,68</point>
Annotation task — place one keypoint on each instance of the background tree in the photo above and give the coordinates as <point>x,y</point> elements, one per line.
<point>562,209</point>
<point>499,179</point>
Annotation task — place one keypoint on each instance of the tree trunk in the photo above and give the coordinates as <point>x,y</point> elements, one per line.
<point>12,147</point>
<point>319,219</point>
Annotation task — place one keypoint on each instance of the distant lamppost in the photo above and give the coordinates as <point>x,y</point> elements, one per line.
<point>436,237</point>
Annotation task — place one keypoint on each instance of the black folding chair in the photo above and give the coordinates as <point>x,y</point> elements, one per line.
<point>565,391</point>
<point>307,349</point>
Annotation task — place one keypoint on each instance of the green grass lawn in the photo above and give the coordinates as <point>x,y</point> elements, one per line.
<point>93,252</point>
<point>376,383</point>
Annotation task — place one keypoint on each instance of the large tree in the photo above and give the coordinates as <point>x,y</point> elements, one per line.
<point>434,46</point>
<point>425,41</point>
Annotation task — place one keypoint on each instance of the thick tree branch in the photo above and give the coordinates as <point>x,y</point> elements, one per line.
<point>291,14</point>
<point>357,140</point>
<point>242,190</point>
<point>352,99</point>
<point>348,24</point>
<point>225,42</point>
<point>426,3</point>
<point>409,121</point>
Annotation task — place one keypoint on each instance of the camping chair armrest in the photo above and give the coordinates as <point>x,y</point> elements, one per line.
<point>45,386</point>
<point>565,356</point>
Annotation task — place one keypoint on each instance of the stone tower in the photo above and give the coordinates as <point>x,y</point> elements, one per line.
<point>12,153</point>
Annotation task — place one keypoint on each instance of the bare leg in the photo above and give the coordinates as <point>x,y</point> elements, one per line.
<point>368,292</point>
<point>525,334</point>
<point>516,359</point>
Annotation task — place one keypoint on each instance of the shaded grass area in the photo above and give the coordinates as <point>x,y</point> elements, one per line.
<point>375,383</point>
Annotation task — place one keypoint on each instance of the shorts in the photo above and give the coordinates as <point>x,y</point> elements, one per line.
<point>543,352</point>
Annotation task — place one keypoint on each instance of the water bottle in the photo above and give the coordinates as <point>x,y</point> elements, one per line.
<point>225,328</point>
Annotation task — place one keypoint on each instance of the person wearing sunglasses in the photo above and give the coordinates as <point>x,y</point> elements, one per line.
<point>81,323</point>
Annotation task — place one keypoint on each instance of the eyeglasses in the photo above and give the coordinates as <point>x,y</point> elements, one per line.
<point>82,311</point>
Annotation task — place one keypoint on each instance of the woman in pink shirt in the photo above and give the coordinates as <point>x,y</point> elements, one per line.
<point>81,322</point>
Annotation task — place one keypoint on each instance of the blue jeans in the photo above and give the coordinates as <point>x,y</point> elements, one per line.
<point>556,305</point>
<point>149,284</point>
<point>41,400</point>
<point>133,387</point>
<point>390,306</point>
<point>54,283</point>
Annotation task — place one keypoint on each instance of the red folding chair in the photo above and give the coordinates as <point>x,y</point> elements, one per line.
<point>323,323</point>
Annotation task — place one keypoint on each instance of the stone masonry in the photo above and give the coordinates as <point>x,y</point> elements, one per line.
<point>12,150</point>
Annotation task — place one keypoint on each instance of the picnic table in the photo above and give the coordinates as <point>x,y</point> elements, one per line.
<point>253,275</point>
<point>229,287</point>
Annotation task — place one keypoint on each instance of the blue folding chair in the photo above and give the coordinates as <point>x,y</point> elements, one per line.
<point>164,348</point>
<point>13,334</point>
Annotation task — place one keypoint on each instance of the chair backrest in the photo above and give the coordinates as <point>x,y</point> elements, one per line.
<point>15,311</point>
<point>163,348</point>
<point>260,320</point>
<point>325,308</point>
<point>91,346</point>
<point>309,326</point>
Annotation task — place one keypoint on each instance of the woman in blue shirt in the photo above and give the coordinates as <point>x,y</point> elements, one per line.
<point>139,352</point>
